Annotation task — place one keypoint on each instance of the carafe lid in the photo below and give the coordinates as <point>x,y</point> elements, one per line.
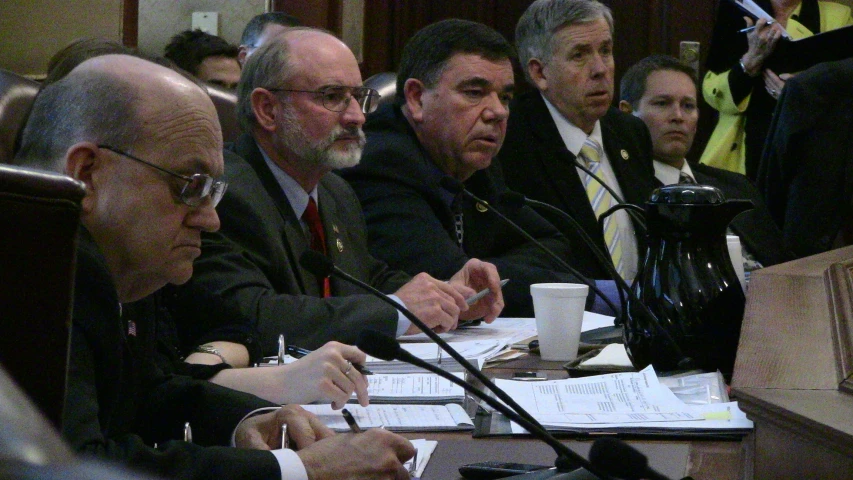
<point>687,195</point>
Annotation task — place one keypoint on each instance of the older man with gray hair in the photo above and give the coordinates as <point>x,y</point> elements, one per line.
<point>565,136</point>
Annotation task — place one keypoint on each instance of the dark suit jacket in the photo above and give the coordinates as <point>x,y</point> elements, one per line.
<point>411,222</point>
<point>756,229</point>
<point>249,278</point>
<point>122,396</point>
<point>537,163</point>
<point>806,173</point>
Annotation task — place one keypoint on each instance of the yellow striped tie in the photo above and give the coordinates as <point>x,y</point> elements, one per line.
<point>601,200</point>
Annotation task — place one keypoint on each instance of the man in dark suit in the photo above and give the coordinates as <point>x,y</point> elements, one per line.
<point>453,90</point>
<point>302,105</point>
<point>661,91</point>
<point>565,48</point>
<point>142,216</point>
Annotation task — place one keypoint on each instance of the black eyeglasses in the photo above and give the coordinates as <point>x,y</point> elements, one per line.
<point>199,186</point>
<point>337,98</point>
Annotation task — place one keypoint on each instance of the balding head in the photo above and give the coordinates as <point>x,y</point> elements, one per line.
<point>135,133</point>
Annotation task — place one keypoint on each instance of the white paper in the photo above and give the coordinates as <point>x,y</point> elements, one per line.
<point>758,12</point>
<point>617,400</point>
<point>396,417</point>
<point>425,450</point>
<point>413,385</point>
<point>509,329</point>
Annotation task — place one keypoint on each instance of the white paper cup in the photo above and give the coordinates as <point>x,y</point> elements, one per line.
<point>736,254</point>
<point>558,308</point>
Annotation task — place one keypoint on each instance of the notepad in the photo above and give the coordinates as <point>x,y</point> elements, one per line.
<point>397,418</point>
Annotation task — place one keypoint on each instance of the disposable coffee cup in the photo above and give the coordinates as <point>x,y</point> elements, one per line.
<point>558,308</point>
<point>736,254</point>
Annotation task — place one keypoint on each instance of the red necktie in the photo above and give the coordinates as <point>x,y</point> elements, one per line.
<point>318,239</point>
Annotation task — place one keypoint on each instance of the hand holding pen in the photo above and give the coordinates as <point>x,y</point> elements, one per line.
<point>328,374</point>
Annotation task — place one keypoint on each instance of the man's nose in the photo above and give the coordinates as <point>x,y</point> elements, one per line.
<point>203,217</point>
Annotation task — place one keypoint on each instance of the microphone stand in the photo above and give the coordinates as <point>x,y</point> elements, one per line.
<point>622,285</point>
<point>370,338</point>
<point>454,186</point>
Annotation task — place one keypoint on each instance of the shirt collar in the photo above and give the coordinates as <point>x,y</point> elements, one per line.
<point>669,175</point>
<point>296,195</point>
<point>573,136</point>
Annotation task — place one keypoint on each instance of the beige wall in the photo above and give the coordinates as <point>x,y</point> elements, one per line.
<point>159,20</point>
<point>31,31</point>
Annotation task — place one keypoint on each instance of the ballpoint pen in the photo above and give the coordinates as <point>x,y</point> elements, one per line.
<point>285,441</point>
<point>299,352</point>
<point>354,428</point>
<point>749,29</point>
<point>482,293</point>
<point>281,349</point>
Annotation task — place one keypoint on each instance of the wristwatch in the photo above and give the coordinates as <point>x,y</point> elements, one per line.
<point>211,350</point>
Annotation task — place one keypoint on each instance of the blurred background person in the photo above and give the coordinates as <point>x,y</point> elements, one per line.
<point>210,58</point>
<point>741,88</point>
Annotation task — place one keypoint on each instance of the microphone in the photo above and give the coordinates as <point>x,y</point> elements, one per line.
<point>513,198</point>
<point>456,187</point>
<point>620,460</point>
<point>321,266</point>
<point>382,346</point>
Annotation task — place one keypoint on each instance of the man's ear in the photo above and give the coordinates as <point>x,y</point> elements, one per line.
<point>242,52</point>
<point>263,106</point>
<point>413,92</point>
<point>536,71</point>
<point>84,162</point>
<point>625,106</point>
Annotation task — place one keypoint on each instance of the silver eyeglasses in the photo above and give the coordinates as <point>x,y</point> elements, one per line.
<point>198,186</point>
<point>336,98</point>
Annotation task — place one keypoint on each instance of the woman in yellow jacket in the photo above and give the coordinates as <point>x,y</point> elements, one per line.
<point>740,88</point>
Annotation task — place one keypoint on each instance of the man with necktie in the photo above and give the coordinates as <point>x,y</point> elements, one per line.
<point>564,136</point>
<point>661,91</point>
<point>302,105</point>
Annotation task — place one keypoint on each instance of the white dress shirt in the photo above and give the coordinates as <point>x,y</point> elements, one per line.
<point>669,175</point>
<point>574,138</point>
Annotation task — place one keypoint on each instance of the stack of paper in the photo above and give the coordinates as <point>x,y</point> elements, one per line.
<point>414,388</point>
<point>398,418</point>
<point>629,402</point>
<point>475,351</point>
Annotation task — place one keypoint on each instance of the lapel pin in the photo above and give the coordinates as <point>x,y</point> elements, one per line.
<point>625,155</point>
<point>482,208</point>
<point>335,228</point>
<point>340,245</point>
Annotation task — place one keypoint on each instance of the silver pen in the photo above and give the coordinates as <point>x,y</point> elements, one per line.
<point>285,441</point>
<point>749,29</point>
<point>281,349</point>
<point>482,293</point>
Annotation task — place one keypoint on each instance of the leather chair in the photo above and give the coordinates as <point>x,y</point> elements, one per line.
<point>16,99</point>
<point>225,102</point>
<point>386,84</point>
<point>40,216</point>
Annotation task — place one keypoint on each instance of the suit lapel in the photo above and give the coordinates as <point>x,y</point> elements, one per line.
<point>559,166</point>
<point>294,238</point>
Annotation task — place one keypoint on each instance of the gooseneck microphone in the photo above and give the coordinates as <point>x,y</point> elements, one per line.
<point>512,198</point>
<point>618,459</point>
<point>322,266</point>
<point>456,187</point>
<point>384,347</point>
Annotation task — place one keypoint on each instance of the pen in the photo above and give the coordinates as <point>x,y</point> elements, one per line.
<point>749,29</point>
<point>281,349</point>
<point>354,428</point>
<point>299,352</point>
<point>482,293</point>
<point>285,442</point>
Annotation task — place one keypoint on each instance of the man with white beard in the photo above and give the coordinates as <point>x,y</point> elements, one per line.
<point>302,105</point>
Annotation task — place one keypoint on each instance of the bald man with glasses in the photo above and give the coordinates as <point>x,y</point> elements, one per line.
<point>302,105</point>
<point>146,143</point>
